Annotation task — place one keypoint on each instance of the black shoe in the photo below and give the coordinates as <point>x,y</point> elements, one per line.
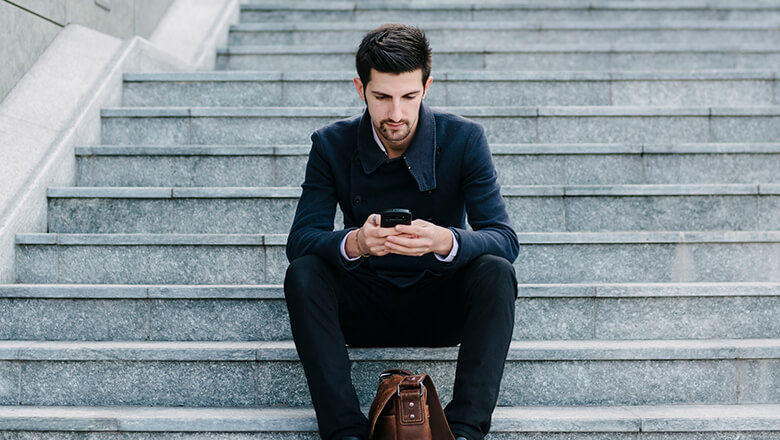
<point>461,438</point>
<point>350,438</point>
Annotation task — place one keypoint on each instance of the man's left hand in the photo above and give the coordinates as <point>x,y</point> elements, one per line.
<point>419,238</point>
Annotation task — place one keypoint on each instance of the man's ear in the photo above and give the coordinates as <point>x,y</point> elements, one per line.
<point>359,87</point>
<point>427,85</point>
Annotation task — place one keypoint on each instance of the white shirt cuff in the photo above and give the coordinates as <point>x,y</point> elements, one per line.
<point>344,249</point>
<point>453,252</point>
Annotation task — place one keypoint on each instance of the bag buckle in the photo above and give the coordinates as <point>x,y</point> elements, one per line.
<point>421,389</point>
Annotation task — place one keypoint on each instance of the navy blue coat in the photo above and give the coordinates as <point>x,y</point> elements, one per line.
<point>446,173</point>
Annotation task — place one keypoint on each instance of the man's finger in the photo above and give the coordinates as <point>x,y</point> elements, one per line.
<point>412,230</point>
<point>386,232</point>
<point>407,251</point>
<point>410,242</point>
<point>374,220</point>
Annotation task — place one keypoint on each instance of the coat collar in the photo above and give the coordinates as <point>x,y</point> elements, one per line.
<point>420,157</point>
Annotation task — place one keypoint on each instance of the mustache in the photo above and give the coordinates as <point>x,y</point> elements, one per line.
<point>388,121</point>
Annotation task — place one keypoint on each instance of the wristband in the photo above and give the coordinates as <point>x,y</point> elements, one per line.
<point>357,242</point>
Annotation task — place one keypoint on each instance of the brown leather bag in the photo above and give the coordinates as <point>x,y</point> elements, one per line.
<point>407,407</point>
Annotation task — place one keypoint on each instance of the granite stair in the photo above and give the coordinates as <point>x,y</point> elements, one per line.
<point>636,143</point>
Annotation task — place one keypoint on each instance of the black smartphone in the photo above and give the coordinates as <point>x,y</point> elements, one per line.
<point>392,217</point>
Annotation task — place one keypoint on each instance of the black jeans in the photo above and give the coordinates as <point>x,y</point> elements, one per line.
<point>330,307</point>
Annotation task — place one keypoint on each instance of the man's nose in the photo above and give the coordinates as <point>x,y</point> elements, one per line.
<point>395,111</point>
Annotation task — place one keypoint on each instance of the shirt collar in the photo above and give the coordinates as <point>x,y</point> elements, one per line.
<point>378,142</point>
<point>420,156</point>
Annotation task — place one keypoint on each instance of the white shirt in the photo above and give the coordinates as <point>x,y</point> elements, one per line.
<point>447,259</point>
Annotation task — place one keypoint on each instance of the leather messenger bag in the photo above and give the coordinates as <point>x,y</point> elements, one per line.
<point>407,407</point>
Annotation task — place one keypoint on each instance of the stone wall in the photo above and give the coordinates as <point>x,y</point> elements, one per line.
<point>27,27</point>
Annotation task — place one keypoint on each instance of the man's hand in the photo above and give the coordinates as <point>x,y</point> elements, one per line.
<point>418,239</point>
<point>370,238</point>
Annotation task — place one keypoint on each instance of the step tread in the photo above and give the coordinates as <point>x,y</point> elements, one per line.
<point>473,5</point>
<point>277,351</point>
<point>496,149</point>
<point>507,191</point>
<point>660,418</point>
<point>524,48</point>
<point>448,75</point>
<point>276,292</point>
<point>630,237</point>
<point>508,25</point>
<point>484,111</point>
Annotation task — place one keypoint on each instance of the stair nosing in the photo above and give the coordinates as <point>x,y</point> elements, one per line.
<point>476,111</point>
<point>276,291</point>
<point>469,6</point>
<point>496,149</point>
<point>305,26</point>
<point>611,48</point>
<point>294,192</point>
<point>450,75</point>
<point>280,351</point>
<point>624,418</point>
<point>525,238</point>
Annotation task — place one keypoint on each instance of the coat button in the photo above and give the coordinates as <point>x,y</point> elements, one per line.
<point>357,200</point>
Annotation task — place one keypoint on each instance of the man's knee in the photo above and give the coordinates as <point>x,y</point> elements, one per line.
<point>495,272</point>
<point>305,275</point>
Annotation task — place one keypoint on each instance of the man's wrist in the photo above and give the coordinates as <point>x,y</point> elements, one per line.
<point>353,247</point>
<point>446,241</point>
<point>344,248</point>
<point>350,245</point>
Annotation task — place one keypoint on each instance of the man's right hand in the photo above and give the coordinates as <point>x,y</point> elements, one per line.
<point>370,238</point>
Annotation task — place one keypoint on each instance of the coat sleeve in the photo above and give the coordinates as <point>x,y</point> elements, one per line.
<point>492,231</point>
<point>312,228</point>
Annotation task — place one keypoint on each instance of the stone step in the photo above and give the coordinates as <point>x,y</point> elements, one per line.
<point>427,11</point>
<point>527,57</point>
<point>705,422</point>
<point>544,257</point>
<point>598,124</point>
<point>258,374</point>
<point>258,312</point>
<point>236,88</point>
<point>516,164</point>
<point>532,208</point>
<point>525,32</point>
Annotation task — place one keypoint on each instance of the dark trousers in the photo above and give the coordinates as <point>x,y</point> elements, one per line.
<point>330,307</point>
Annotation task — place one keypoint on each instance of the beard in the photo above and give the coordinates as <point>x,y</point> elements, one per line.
<point>394,134</point>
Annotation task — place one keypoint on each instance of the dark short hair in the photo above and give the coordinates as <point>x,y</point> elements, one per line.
<point>393,48</point>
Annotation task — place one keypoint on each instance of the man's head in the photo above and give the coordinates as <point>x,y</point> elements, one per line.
<point>394,67</point>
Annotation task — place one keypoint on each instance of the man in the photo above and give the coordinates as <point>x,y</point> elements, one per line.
<point>429,284</point>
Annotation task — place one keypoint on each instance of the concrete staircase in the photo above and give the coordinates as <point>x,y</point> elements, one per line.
<point>638,148</point>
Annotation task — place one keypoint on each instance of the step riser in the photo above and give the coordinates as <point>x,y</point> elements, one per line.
<point>252,384</point>
<point>473,37</point>
<point>264,264</point>
<point>559,61</point>
<point>601,169</point>
<point>511,129</point>
<point>460,93</point>
<point>439,15</point>
<point>528,214</point>
<point>267,319</point>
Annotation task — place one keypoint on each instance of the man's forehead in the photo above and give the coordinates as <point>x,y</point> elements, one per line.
<point>395,84</point>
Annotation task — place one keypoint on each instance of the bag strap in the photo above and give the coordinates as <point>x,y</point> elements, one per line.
<point>439,426</point>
